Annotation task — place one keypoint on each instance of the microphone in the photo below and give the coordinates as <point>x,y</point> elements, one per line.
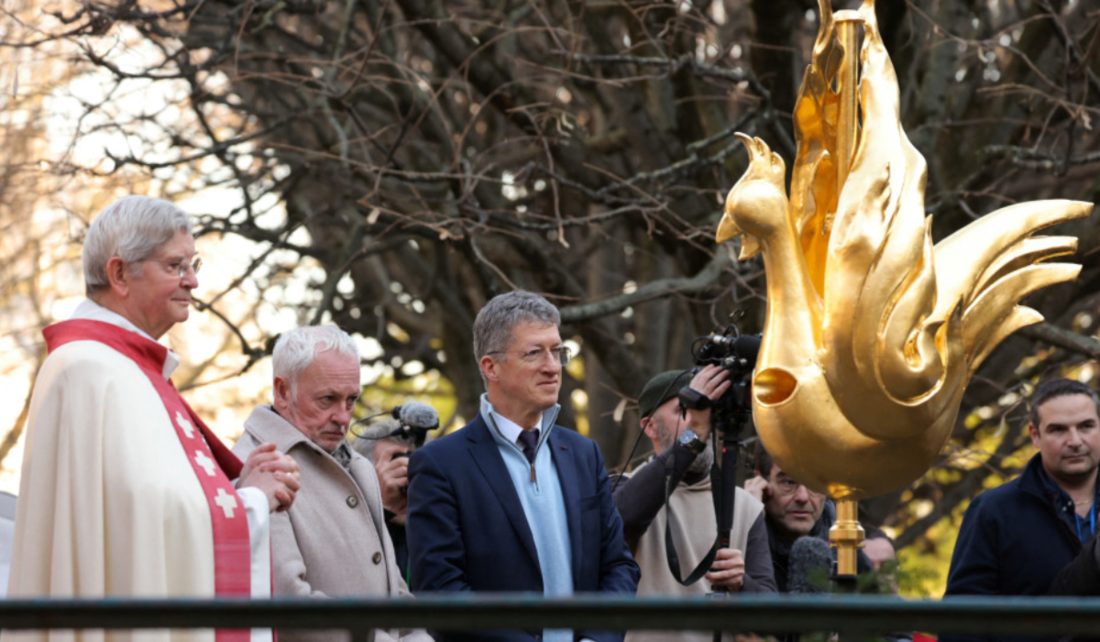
<point>808,554</point>
<point>414,421</point>
<point>417,416</point>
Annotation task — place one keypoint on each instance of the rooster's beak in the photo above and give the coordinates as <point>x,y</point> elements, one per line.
<point>727,230</point>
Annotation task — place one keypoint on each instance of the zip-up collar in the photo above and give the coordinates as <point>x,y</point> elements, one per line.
<point>489,416</point>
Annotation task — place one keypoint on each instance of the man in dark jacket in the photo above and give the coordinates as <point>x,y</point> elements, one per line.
<point>513,502</point>
<point>791,512</point>
<point>1015,538</point>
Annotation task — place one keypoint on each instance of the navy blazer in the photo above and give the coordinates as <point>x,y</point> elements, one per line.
<point>467,530</point>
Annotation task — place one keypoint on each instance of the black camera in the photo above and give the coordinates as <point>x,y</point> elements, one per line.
<point>737,354</point>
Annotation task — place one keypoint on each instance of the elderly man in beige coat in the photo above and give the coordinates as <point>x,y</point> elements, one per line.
<point>333,540</point>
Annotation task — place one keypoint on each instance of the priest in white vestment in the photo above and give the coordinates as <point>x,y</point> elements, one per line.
<point>124,491</point>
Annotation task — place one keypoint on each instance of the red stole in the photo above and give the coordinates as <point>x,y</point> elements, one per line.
<point>213,463</point>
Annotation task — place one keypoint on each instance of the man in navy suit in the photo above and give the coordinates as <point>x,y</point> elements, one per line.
<point>513,502</point>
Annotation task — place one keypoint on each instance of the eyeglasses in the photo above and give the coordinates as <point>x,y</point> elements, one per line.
<point>536,355</point>
<point>788,486</point>
<point>180,267</point>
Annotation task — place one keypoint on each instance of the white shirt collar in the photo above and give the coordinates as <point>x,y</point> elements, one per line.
<point>92,311</point>
<point>510,429</point>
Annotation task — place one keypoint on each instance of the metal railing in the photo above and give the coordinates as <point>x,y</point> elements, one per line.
<point>850,615</point>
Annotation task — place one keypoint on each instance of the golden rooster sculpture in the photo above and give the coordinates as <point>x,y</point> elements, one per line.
<point>872,332</point>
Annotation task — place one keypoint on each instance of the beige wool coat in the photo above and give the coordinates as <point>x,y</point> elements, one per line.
<point>333,540</point>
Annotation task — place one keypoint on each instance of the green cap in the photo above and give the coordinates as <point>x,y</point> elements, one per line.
<point>660,389</point>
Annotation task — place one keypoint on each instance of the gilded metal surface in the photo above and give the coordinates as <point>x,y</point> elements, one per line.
<point>872,332</point>
<point>846,535</point>
<point>847,79</point>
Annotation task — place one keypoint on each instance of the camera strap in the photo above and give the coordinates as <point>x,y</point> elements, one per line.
<point>670,546</point>
<point>723,484</point>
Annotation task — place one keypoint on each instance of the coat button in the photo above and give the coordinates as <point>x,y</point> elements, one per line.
<point>377,558</point>
<point>353,501</point>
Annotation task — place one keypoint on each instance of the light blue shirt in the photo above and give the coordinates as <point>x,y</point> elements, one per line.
<point>542,501</point>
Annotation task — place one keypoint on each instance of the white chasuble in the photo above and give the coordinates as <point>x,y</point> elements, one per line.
<point>124,491</point>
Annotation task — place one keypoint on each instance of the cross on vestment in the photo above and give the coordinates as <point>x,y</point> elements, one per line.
<point>226,501</point>
<point>186,426</point>
<point>204,462</point>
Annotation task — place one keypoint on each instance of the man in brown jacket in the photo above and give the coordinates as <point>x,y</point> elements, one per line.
<point>333,540</point>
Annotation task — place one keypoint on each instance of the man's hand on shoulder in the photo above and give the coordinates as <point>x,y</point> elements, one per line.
<point>728,570</point>
<point>274,473</point>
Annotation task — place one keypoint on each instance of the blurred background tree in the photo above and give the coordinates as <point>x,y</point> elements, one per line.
<point>393,164</point>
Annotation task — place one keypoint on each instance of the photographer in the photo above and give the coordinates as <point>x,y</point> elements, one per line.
<point>387,443</point>
<point>389,453</point>
<point>684,455</point>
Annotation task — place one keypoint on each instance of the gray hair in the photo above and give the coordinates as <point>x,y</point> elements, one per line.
<point>295,350</point>
<point>365,441</point>
<point>494,323</point>
<point>132,228</point>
